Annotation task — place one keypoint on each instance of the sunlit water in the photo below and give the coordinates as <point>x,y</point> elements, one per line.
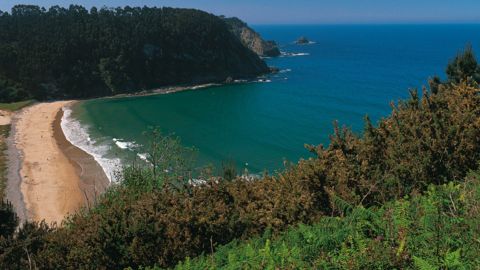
<point>349,72</point>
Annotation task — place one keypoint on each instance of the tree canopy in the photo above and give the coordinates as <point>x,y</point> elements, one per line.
<point>77,53</point>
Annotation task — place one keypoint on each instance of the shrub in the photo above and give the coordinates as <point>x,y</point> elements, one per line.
<point>438,230</point>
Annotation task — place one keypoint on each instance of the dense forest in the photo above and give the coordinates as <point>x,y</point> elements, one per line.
<point>77,53</point>
<point>400,196</point>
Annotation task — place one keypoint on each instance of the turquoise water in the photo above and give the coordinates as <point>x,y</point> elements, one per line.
<point>349,72</point>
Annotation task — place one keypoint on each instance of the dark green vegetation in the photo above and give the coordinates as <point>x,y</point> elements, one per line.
<point>438,230</point>
<point>464,67</point>
<point>399,196</point>
<point>8,219</point>
<point>15,106</point>
<point>76,53</point>
<point>4,131</point>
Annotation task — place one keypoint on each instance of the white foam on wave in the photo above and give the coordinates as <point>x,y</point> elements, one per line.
<point>124,144</point>
<point>142,156</point>
<point>290,54</point>
<point>264,80</point>
<point>285,70</point>
<point>77,135</point>
<point>240,81</point>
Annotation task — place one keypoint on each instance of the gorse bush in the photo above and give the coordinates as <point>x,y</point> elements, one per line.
<point>426,140</point>
<point>155,217</point>
<point>438,230</point>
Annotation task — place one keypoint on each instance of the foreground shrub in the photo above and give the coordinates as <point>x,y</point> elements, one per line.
<point>426,140</point>
<point>439,230</point>
<point>8,220</point>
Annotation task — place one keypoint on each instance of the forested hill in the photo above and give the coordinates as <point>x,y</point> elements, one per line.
<point>78,53</point>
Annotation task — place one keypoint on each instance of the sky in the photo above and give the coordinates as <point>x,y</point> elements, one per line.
<point>305,11</point>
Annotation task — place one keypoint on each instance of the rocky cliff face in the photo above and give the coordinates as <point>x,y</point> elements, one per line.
<point>252,39</point>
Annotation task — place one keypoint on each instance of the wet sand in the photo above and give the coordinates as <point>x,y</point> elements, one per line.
<point>93,179</point>
<point>56,178</point>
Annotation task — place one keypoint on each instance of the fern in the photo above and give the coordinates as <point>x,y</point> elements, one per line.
<point>422,264</point>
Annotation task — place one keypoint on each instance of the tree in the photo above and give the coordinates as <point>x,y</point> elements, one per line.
<point>8,220</point>
<point>464,67</point>
<point>76,53</point>
<point>170,161</point>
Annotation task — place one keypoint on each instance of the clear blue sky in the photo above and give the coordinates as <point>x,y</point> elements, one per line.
<point>307,11</point>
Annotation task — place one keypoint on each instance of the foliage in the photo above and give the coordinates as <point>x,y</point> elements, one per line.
<point>168,158</point>
<point>4,131</point>
<point>15,106</point>
<point>347,190</point>
<point>9,220</point>
<point>76,53</point>
<point>229,170</point>
<point>19,252</point>
<point>426,140</point>
<point>439,230</point>
<point>464,67</point>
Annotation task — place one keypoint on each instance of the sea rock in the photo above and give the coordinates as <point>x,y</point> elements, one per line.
<point>302,40</point>
<point>251,39</point>
<point>229,80</point>
<point>274,70</point>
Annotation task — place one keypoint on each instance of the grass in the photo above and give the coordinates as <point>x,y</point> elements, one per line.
<point>15,106</point>
<point>4,131</point>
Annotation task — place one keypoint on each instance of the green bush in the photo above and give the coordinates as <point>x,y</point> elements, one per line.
<point>439,230</point>
<point>8,220</point>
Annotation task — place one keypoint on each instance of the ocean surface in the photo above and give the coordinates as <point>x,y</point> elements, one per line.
<point>346,73</point>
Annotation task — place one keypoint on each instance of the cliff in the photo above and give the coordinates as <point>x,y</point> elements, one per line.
<point>78,53</point>
<point>251,39</point>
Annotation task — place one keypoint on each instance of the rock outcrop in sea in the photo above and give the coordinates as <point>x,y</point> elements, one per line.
<point>302,41</point>
<point>252,39</point>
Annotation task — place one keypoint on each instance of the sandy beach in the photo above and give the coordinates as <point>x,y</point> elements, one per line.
<point>57,178</point>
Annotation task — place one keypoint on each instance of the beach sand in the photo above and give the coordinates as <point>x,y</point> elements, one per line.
<point>57,178</point>
<point>5,117</point>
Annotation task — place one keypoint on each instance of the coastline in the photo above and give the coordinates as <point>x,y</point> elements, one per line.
<point>48,177</point>
<point>164,90</point>
<point>28,187</point>
<point>14,159</point>
<point>93,180</point>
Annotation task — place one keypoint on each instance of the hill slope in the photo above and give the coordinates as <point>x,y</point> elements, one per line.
<point>75,53</point>
<point>251,39</point>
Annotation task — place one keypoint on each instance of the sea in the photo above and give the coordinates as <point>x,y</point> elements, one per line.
<point>346,73</point>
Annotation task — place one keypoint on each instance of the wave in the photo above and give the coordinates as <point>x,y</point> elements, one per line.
<point>264,80</point>
<point>303,44</point>
<point>285,70</point>
<point>125,145</point>
<point>240,81</point>
<point>290,54</point>
<point>77,135</point>
<point>142,156</point>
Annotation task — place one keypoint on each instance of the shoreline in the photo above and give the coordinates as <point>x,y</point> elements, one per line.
<point>89,179</point>
<point>180,88</point>
<point>48,177</point>
<point>14,180</point>
<point>93,178</point>
<point>162,91</point>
